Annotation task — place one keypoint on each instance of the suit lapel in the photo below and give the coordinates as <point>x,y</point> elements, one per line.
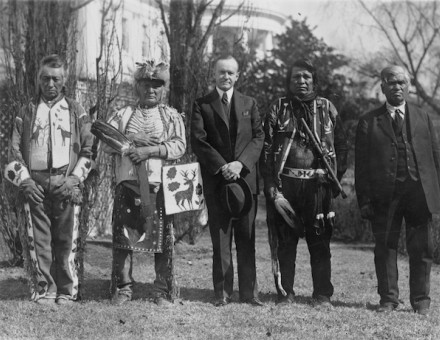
<point>413,118</point>
<point>237,101</point>
<point>217,107</point>
<point>384,122</point>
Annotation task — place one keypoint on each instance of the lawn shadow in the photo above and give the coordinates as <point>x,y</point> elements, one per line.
<point>144,291</point>
<point>309,301</point>
<point>14,288</point>
<point>337,303</point>
<point>268,297</point>
<point>95,289</point>
<point>197,294</point>
<point>401,308</point>
<point>99,290</point>
<point>369,247</point>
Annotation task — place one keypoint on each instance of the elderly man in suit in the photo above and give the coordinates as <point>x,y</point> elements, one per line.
<point>397,177</point>
<point>227,138</point>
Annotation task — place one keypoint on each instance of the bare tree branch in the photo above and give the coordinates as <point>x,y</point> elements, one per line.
<point>164,20</point>
<point>413,42</point>
<point>199,11</point>
<point>383,29</point>
<point>428,99</point>
<point>426,49</point>
<point>85,3</point>
<point>231,14</point>
<point>215,15</point>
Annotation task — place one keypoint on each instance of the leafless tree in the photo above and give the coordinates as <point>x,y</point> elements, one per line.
<point>188,40</point>
<point>412,30</point>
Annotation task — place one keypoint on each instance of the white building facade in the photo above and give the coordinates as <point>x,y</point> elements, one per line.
<point>136,32</point>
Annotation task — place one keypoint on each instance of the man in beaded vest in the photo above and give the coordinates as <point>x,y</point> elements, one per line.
<point>51,155</point>
<point>294,173</point>
<point>157,133</point>
<point>397,173</point>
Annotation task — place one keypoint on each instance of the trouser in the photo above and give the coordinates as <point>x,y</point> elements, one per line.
<point>55,231</point>
<point>222,228</point>
<point>163,264</point>
<point>303,197</point>
<point>408,203</point>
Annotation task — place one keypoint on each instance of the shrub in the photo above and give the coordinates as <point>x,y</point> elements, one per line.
<point>350,227</point>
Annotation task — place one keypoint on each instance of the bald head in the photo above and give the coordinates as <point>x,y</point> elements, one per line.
<point>395,84</point>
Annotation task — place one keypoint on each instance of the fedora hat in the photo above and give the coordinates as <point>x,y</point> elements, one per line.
<point>235,197</point>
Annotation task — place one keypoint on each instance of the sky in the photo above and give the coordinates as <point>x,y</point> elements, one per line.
<point>343,24</point>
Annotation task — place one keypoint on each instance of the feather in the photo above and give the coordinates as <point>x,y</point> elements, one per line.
<point>111,136</point>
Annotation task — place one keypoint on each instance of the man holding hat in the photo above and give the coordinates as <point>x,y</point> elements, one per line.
<point>397,176</point>
<point>227,138</point>
<point>297,184</point>
<point>157,135</point>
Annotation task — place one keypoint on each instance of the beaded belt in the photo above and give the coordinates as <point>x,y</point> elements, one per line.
<point>303,173</point>
<point>53,171</point>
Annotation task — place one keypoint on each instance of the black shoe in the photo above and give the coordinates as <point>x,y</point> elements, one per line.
<point>254,302</point>
<point>422,311</point>
<point>322,301</point>
<point>121,297</point>
<point>421,307</point>
<point>386,308</point>
<point>222,301</point>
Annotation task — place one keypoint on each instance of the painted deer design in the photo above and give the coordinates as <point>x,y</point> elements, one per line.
<point>187,194</point>
<point>64,134</point>
<point>36,134</point>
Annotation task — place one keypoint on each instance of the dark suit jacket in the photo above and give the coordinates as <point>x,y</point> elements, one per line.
<point>211,142</point>
<point>376,156</point>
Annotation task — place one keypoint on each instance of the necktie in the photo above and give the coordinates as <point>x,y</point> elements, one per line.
<point>225,103</point>
<point>398,120</point>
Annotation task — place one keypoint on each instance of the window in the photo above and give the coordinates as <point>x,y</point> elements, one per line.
<point>145,41</point>
<point>125,35</point>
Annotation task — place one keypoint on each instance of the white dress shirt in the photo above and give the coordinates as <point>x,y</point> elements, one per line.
<point>392,110</point>
<point>229,93</point>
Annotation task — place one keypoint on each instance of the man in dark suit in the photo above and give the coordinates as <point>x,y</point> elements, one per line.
<point>397,176</point>
<point>227,138</point>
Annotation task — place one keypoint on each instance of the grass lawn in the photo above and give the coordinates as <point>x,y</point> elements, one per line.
<point>194,317</point>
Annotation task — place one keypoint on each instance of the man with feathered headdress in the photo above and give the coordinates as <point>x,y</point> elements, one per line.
<point>157,135</point>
